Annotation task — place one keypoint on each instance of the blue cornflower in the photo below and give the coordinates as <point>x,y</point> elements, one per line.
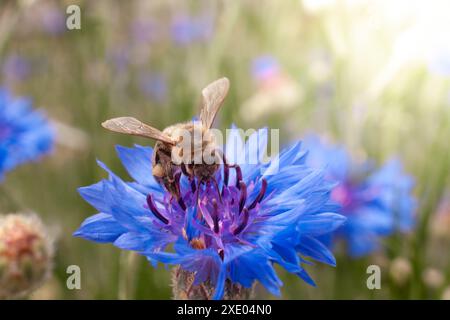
<point>25,134</point>
<point>376,201</point>
<point>16,68</point>
<point>265,67</point>
<point>266,213</point>
<point>52,19</point>
<point>154,85</point>
<point>187,29</point>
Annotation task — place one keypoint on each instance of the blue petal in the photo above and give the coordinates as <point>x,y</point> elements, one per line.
<point>254,265</point>
<point>220,283</point>
<point>145,243</point>
<point>319,224</point>
<point>305,276</point>
<point>127,206</point>
<point>138,162</point>
<point>94,195</point>
<point>313,248</point>
<point>133,241</point>
<point>100,228</point>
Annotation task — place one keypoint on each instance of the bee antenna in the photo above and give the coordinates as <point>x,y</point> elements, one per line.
<point>184,170</point>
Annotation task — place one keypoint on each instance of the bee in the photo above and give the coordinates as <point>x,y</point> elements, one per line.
<point>169,142</point>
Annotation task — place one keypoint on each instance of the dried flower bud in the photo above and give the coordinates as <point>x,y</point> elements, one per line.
<point>400,270</point>
<point>433,278</point>
<point>25,254</point>
<point>184,288</point>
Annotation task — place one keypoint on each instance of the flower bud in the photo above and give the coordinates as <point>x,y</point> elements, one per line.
<point>400,270</point>
<point>25,254</point>
<point>433,278</point>
<point>184,288</point>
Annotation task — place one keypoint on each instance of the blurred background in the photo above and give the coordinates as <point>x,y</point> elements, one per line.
<point>373,75</point>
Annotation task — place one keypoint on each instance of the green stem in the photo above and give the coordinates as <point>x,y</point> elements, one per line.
<point>127,272</point>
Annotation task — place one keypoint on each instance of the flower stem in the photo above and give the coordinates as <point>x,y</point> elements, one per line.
<point>127,271</point>
<point>184,289</point>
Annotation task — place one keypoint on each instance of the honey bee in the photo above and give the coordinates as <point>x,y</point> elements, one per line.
<point>170,141</point>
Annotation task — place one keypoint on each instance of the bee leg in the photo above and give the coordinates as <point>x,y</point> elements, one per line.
<point>168,185</point>
<point>184,170</point>
<point>172,184</point>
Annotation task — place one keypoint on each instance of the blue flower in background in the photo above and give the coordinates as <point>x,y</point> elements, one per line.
<point>154,86</point>
<point>376,202</point>
<point>145,31</point>
<point>16,68</point>
<point>52,19</point>
<point>266,213</point>
<point>25,134</point>
<point>119,58</point>
<point>187,29</point>
<point>265,67</point>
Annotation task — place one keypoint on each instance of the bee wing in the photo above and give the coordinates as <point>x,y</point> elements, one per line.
<point>132,126</point>
<point>212,98</point>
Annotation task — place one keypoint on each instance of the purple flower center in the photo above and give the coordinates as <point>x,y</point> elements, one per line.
<point>351,196</point>
<point>210,217</point>
<point>342,194</point>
